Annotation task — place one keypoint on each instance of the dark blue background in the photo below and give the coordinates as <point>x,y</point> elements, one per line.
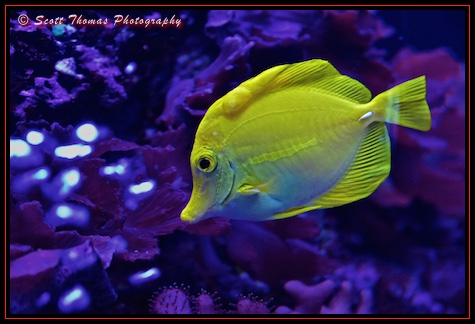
<point>426,30</point>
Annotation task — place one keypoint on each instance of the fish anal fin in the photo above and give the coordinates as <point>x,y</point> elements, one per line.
<point>293,211</point>
<point>370,167</point>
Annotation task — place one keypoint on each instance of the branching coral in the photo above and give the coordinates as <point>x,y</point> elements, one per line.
<point>350,291</point>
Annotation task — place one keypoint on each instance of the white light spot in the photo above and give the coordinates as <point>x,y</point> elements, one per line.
<point>72,151</point>
<point>144,276</point>
<point>74,300</point>
<point>108,170</point>
<point>87,132</point>
<point>71,178</point>
<point>367,115</point>
<point>119,243</point>
<point>43,299</point>
<point>119,169</point>
<point>64,211</point>
<point>41,174</point>
<point>215,133</point>
<point>73,295</point>
<point>19,148</point>
<point>131,204</point>
<point>141,187</point>
<point>130,68</point>
<point>35,138</point>
<point>114,169</point>
<point>73,254</point>
<point>63,214</point>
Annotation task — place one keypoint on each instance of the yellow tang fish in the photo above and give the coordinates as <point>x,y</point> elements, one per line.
<point>296,137</point>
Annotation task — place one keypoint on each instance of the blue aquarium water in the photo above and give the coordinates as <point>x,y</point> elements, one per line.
<point>104,107</point>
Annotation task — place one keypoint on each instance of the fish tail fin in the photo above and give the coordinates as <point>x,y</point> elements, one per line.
<point>406,105</point>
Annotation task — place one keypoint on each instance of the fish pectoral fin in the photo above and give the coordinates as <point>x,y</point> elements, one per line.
<point>370,167</point>
<point>293,211</point>
<point>247,189</point>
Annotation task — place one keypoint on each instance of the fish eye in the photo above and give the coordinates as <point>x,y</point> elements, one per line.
<point>206,162</point>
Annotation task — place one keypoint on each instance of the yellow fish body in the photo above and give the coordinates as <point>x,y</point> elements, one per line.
<point>296,137</point>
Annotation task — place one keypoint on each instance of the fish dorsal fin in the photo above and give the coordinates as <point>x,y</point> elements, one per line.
<point>370,167</point>
<point>321,75</point>
<point>316,74</point>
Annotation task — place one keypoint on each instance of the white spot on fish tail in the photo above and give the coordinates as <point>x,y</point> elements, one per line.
<point>366,116</point>
<point>215,133</point>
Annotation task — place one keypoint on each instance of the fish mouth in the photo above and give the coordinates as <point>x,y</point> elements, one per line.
<point>186,217</point>
<point>189,217</point>
<point>192,217</point>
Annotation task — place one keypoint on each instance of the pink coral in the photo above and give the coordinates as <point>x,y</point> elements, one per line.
<point>252,305</point>
<point>437,171</point>
<point>206,303</point>
<point>171,300</point>
<point>177,300</point>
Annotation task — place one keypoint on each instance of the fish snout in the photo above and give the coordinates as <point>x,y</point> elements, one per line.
<point>186,217</point>
<point>190,216</point>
